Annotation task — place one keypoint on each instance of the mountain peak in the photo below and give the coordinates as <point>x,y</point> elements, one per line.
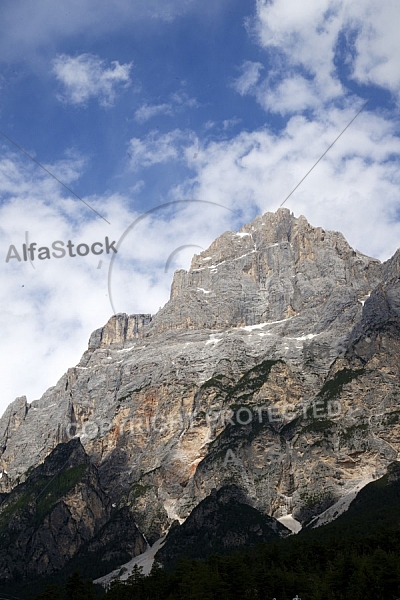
<point>275,268</point>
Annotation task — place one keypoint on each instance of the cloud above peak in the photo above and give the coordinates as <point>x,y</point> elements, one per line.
<point>306,43</point>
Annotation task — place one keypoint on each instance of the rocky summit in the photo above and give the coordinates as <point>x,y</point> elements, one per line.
<point>273,368</point>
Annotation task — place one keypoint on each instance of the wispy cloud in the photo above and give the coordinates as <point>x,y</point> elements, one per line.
<point>229,123</point>
<point>87,76</point>
<point>156,148</point>
<point>148,111</point>
<point>249,76</point>
<point>178,102</point>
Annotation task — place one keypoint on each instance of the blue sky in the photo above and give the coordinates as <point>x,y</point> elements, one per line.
<point>182,69</point>
<point>134,104</point>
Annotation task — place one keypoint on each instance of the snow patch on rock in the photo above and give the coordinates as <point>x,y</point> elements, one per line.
<point>144,560</point>
<point>291,523</point>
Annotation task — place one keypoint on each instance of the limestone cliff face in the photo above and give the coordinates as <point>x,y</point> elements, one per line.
<point>274,367</point>
<point>120,329</point>
<point>274,268</point>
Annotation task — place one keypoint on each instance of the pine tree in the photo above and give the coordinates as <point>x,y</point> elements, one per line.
<point>52,592</point>
<point>136,577</point>
<point>79,589</point>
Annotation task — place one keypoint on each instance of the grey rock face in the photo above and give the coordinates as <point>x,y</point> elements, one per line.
<point>273,366</point>
<point>273,269</point>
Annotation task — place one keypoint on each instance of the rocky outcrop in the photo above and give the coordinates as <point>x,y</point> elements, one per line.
<point>222,522</point>
<point>274,367</point>
<point>120,329</point>
<point>118,540</point>
<point>60,510</point>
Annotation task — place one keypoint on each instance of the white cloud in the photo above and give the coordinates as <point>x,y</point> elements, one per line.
<point>148,111</point>
<point>304,35</point>
<point>183,100</point>
<point>178,102</point>
<point>229,123</point>
<point>158,148</point>
<point>303,40</point>
<point>377,46</point>
<point>293,94</point>
<point>87,76</point>
<point>284,91</point>
<point>250,74</point>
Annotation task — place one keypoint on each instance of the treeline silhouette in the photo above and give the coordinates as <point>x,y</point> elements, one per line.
<point>338,570</point>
